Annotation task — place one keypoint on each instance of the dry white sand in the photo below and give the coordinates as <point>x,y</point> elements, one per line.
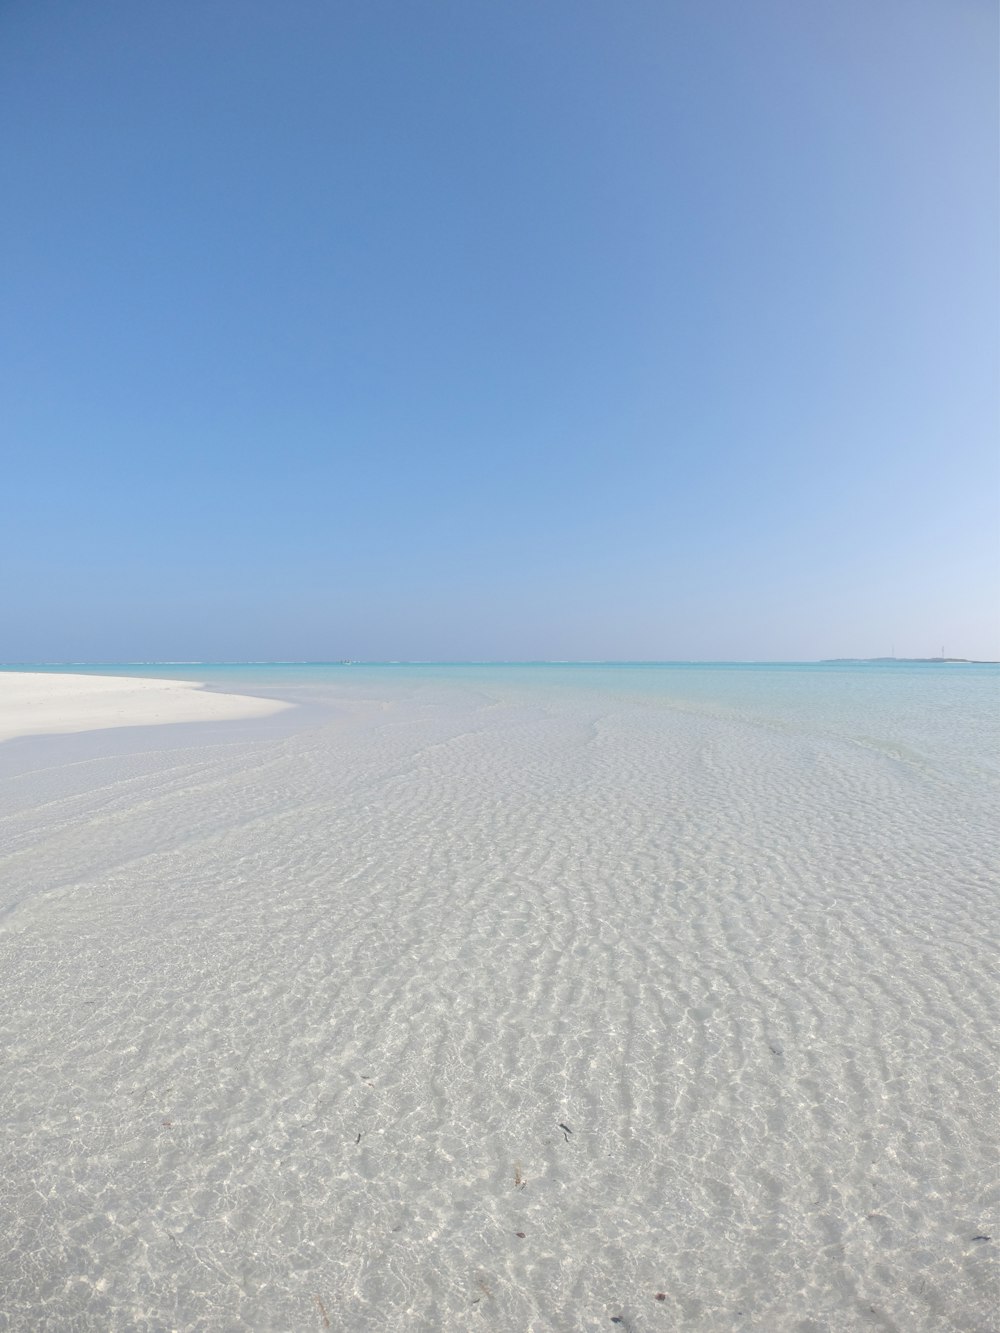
<point>36,703</point>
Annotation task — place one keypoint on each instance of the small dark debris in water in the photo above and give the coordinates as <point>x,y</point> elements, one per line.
<point>358,1139</point>
<point>661,1295</point>
<point>476,1300</point>
<point>519,1235</point>
<point>776,1050</point>
<point>565,1128</point>
<point>981,1237</point>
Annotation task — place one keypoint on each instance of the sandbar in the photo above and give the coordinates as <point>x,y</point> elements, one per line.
<point>37,703</point>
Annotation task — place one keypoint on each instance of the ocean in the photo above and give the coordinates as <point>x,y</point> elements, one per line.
<point>522,997</point>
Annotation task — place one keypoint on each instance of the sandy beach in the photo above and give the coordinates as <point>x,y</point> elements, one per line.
<point>512,1002</point>
<point>35,703</point>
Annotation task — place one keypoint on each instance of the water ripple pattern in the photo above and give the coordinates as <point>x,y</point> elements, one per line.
<point>510,1001</point>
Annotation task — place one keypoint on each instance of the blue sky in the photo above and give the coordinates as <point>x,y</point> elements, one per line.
<point>543,328</point>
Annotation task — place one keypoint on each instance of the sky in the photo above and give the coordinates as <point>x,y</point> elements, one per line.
<point>519,329</point>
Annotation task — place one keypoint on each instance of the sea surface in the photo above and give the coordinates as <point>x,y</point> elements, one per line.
<point>523,997</point>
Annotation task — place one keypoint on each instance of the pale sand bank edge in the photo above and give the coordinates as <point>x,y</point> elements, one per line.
<point>36,703</point>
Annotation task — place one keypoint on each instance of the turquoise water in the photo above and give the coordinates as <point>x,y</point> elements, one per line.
<point>540,997</point>
<point>936,713</point>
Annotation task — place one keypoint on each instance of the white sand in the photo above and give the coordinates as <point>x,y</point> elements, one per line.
<point>35,703</point>
<point>290,1029</point>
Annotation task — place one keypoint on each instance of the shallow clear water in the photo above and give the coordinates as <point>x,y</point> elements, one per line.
<point>685,973</point>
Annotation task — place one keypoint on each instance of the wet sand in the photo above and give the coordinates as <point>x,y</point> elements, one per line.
<point>481,1006</point>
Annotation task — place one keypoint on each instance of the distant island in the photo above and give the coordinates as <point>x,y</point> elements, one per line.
<point>969,661</point>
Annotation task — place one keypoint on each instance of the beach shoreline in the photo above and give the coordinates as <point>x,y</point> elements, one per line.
<point>35,703</point>
<point>530,999</point>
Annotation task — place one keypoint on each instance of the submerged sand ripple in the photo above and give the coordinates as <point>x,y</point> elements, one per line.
<point>316,1029</point>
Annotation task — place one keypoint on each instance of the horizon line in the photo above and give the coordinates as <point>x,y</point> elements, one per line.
<point>506,661</point>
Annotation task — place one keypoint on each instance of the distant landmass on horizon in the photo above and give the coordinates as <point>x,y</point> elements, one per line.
<point>969,661</point>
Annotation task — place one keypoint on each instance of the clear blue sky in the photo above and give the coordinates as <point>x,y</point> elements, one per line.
<point>513,329</point>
